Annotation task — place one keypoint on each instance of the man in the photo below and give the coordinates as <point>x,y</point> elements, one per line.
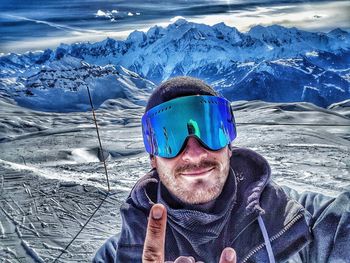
<point>205,200</point>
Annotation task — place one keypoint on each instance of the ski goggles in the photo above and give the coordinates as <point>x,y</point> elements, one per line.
<point>167,127</point>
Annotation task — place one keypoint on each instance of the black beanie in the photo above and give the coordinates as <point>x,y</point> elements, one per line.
<point>179,87</point>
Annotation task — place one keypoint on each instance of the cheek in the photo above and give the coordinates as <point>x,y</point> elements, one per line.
<point>164,167</point>
<point>223,156</point>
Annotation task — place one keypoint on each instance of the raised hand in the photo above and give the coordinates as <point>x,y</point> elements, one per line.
<point>153,250</point>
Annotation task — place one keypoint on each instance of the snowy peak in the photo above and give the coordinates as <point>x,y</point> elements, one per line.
<point>276,31</point>
<point>155,33</point>
<point>229,34</point>
<point>107,47</point>
<point>279,36</point>
<point>339,33</point>
<point>136,38</point>
<point>183,30</point>
<point>341,36</point>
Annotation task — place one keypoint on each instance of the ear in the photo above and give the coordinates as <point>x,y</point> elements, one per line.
<point>230,148</point>
<point>153,161</point>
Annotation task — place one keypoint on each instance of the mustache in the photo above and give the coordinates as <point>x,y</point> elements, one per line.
<point>202,165</point>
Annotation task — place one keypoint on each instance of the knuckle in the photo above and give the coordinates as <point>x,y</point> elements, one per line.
<point>155,229</point>
<point>152,254</point>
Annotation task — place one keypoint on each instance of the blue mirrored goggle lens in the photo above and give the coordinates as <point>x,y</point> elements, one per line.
<point>167,126</point>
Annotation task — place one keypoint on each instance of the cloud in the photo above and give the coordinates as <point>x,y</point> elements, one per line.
<point>53,42</point>
<point>101,13</point>
<point>322,16</point>
<point>114,14</point>
<point>174,19</point>
<point>76,30</point>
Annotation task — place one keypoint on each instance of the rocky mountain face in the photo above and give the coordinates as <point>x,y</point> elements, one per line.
<point>271,63</point>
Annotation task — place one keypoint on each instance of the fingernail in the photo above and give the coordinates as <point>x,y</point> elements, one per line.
<point>229,255</point>
<point>157,212</point>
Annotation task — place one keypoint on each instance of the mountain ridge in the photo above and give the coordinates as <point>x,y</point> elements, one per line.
<point>260,64</point>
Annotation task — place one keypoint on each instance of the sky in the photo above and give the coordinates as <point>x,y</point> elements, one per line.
<point>37,24</point>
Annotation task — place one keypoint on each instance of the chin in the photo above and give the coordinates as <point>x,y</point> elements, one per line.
<point>201,196</point>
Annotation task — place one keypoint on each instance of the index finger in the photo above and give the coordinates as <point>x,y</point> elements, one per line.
<point>153,250</point>
<point>228,255</point>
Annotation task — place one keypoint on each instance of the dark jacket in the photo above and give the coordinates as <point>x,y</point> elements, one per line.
<point>318,228</point>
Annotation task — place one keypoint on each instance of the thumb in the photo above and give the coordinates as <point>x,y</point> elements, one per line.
<point>228,255</point>
<point>153,250</point>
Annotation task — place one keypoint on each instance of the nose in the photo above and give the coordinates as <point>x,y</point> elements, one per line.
<point>194,151</point>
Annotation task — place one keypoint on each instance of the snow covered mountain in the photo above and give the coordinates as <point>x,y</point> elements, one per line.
<point>61,85</point>
<point>271,63</point>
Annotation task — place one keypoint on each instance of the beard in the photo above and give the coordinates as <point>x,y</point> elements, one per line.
<point>198,191</point>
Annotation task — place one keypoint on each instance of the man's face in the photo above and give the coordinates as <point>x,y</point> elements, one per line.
<point>196,175</point>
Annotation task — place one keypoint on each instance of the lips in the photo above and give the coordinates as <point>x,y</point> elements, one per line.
<point>198,172</point>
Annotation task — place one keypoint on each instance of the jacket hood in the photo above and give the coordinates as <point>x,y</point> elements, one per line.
<point>253,173</point>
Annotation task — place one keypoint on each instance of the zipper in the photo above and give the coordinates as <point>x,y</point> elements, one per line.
<point>288,226</point>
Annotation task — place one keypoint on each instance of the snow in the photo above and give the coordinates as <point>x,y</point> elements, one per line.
<point>247,64</point>
<point>334,86</point>
<point>31,252</point>
<point>311,54</point>
<point>2,230</point>
<point>81,155</point>
<point>62,86</point>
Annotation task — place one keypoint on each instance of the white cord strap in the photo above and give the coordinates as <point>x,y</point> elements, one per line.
<point>266,239</point>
